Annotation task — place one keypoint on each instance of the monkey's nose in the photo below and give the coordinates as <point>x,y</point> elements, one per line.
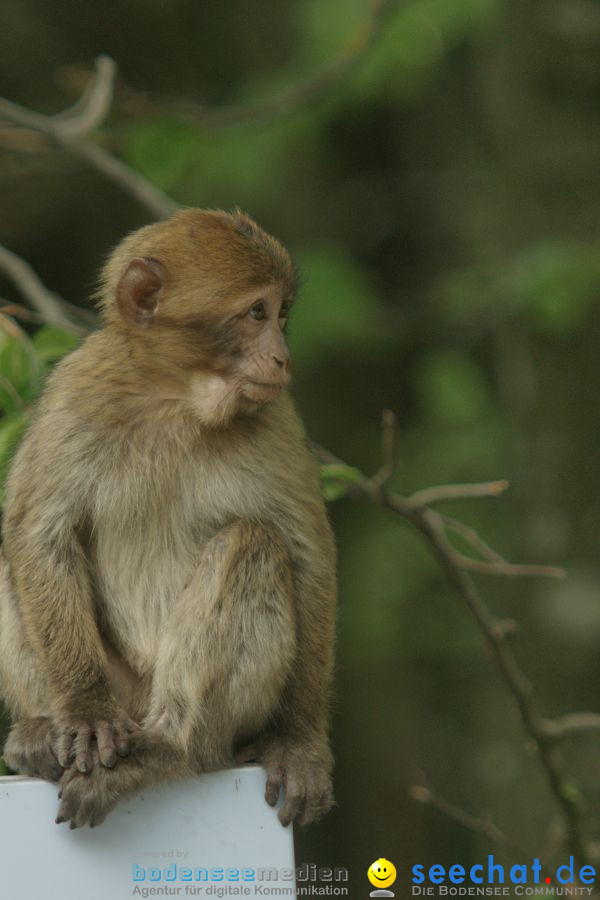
<point>279,361</point>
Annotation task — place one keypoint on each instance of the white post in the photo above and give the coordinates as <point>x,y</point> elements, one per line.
<point>208,836</point>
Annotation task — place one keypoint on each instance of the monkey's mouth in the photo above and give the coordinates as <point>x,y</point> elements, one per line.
<point>261,392</point>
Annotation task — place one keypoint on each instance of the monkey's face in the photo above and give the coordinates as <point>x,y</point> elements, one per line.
<point>259,360</point>
<point>246,363</point>
<point>207,304</point>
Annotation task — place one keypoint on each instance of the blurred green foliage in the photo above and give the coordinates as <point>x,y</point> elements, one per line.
<point>24,362</point>
<point>442,202</point>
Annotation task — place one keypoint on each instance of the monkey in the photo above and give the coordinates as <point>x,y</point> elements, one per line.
<point>168,571</point>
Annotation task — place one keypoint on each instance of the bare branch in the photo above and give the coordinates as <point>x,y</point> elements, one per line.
<point>483,827</point>
<point>509,569</point>
<point>433,495</point>
<point>71,128</point>
<point>68,131</point>
<point>516,682</point>
<point>432,527</point>
<point>572,725</point>
<point>149,196</point>
<point>471,536</point>
<point>93,106</point>
<point>293,98</point>
<point>389,449</point>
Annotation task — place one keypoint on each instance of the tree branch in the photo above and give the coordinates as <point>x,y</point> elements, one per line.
<point>572,725</point>
<point>69,129</point>
<point>431,496</point>
<point>433,527</point>
<point>94,104</point>
<point>483,827</point>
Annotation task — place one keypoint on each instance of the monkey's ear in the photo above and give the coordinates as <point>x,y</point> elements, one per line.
<point>139,290</point>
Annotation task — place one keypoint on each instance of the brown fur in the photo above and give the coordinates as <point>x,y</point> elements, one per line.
<point>167,583</point>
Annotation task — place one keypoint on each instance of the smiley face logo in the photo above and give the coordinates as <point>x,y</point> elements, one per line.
<point>382,873</point>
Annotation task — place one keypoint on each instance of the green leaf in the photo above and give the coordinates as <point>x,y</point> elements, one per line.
<point>333,490</point>
<point>11,430</point>
<point>19,375</point>
<point>340,472</point>
<point>51,343</point>
<point>3,767</point>
<point>334,479</point>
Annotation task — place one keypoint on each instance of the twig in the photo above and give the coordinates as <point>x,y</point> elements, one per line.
<point>471,536</point>
<point>293,98</point>
<point>509,569</point>
<point>495,564</point>
<point>149,196</point>
<point>93,106</point>
<point>69,130</point>
<point>483,827</point>
<point>572,725</point>
<point>89,319</point>
<point>433,495</point>
<point>389,449</point>
<point>48,304</point>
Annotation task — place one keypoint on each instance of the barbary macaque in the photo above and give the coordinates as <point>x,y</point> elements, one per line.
<point>167,579</point>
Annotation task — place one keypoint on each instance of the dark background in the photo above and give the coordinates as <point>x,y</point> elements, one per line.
<point>443,203</point>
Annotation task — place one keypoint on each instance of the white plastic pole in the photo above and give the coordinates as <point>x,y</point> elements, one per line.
<point>211,836</point>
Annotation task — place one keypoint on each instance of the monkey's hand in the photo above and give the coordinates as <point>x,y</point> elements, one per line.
<point>302,768</point>
<point>84,741</point>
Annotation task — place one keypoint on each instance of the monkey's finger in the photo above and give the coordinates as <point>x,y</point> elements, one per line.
<point>63,748</point>
<point>273,786</point>
<point>66,810</point>
<point>122,738</point>
<point>293,804</point>
<point>317,804</point>
<point>83,750</point>
<point>105,738</point>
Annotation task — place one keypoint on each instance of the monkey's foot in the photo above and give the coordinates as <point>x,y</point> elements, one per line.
<point>30,749</point>
<point>86,799</point>
<point>302,769</point>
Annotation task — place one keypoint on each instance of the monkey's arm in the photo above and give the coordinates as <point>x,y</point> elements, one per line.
<point>295,749</point>
<point>44,510</point>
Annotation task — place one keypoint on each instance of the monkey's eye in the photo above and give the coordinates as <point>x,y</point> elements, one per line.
<point>284,312</point>
<point>258,311</point>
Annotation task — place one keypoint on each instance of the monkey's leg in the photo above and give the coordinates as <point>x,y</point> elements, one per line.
<point>29,748</point>
<point>223,661</point>
<point>35,746</point>
<point>229,645</point>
